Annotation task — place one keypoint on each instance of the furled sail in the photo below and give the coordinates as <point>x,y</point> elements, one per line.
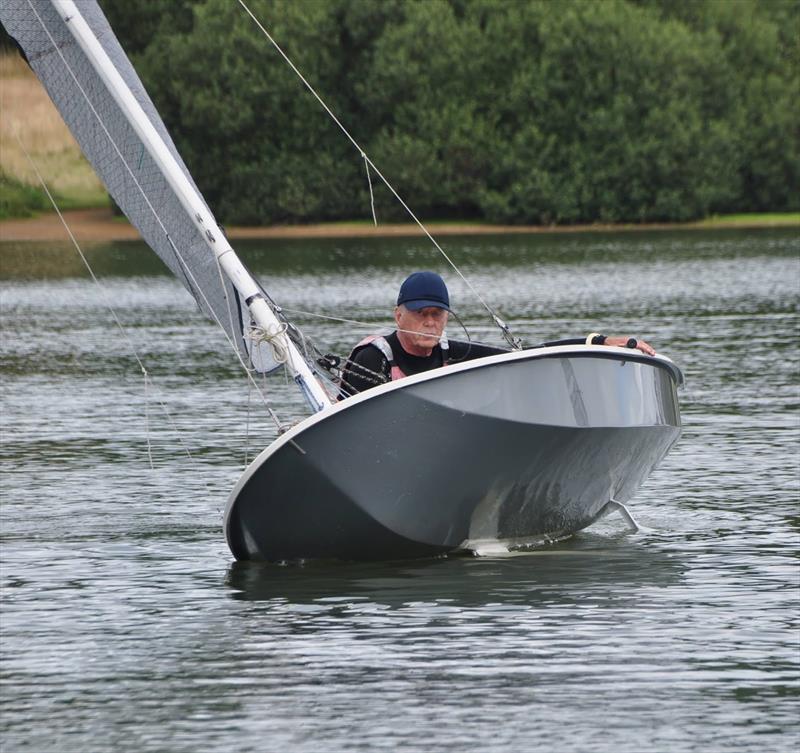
<point>120,158</point>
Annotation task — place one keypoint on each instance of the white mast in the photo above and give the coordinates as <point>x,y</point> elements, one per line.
<point>192,202</point>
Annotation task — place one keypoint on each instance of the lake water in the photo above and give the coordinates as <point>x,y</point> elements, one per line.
<point>126,626</point>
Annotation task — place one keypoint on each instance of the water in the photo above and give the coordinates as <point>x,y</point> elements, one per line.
<point>126,626</point>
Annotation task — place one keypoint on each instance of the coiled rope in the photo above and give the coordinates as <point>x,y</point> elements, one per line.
<point>271,336</point>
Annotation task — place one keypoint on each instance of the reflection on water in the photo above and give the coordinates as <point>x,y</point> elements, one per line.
<point>126,626</point>
<point>528,579</point>
<point>319,256</point>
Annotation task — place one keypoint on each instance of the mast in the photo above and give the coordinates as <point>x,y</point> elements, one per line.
<point>192,202</point>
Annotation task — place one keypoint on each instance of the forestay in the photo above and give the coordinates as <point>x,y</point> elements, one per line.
<point>120,158</point>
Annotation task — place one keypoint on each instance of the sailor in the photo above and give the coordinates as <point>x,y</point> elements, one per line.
<point>419,344</point>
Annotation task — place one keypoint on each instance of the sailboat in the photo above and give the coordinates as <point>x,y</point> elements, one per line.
<point>519,447</point>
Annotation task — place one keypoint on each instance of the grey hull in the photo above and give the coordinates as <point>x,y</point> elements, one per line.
<point>520,446</point>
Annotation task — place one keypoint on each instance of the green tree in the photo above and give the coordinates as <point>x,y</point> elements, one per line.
<point>138,22</point>
<point>527,111</point>
<point>431,133</point>
<point>257,144</point>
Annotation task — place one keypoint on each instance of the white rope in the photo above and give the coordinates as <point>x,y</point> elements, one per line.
<point>247,427</point>
<point>224,289</point>
<point>513,341</point>
<point>366,325</point>
<point>272,336</point>
<point>371,195</point>
<point>147,422</point>
<point>157,217</point>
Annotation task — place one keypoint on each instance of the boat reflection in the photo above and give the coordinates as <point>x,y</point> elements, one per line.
<point>561,572</point>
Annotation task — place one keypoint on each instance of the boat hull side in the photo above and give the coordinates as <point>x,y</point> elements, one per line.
<point>524,450</point>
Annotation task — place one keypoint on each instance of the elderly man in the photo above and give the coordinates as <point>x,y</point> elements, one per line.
<point>418,345</point>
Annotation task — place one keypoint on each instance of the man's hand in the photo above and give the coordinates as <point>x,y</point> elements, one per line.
<point>622,342</point>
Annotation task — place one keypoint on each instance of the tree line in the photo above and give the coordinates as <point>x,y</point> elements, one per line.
<point>509,111</point>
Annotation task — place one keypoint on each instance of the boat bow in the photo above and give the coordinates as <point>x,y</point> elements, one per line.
<point>527,445</point>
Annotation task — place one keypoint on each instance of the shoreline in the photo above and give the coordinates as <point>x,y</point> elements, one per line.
<point>100,225</point>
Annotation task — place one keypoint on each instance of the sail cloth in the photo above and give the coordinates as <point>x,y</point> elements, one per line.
<point>119,157</point>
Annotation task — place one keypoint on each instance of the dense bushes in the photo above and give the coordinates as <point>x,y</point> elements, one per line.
<point>18,199</point>
<point>522,111</point>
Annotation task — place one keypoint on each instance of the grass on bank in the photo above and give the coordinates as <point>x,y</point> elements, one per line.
<point>758,219</point>
<point>762,219</point>
<point>29,114</point>
<point>19,200</point>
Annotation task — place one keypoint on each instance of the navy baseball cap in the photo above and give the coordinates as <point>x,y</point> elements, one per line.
<point>423,289</point>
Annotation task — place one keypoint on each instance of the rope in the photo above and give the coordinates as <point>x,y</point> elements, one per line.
<point>371,195</point>
<point>271,336</point>
<point>224,289</point>
<point>506,332</point>
<point>376,377</point>
<point>147,423</point>
<point>373,326</point>
<point>247,426</point>
<point>370,325</point>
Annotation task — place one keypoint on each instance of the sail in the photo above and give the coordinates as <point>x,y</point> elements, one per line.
<point>118,155</point>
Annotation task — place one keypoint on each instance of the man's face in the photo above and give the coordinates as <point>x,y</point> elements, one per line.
<point>426,325</point>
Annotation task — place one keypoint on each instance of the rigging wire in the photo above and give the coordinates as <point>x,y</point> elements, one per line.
<point>247,427</point>
<point>512,340</point>
<point>147,422</point>
<point>371,325</point>
<point>187,271</point>
<point>371,195</point>
<point>113,312</point>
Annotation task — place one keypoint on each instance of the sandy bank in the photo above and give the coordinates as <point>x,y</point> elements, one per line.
<point>99,225</point>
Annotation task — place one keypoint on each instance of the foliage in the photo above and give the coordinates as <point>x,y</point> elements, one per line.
<point>19,199</point>
<point>520,112</point>
<point>138,23</point>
